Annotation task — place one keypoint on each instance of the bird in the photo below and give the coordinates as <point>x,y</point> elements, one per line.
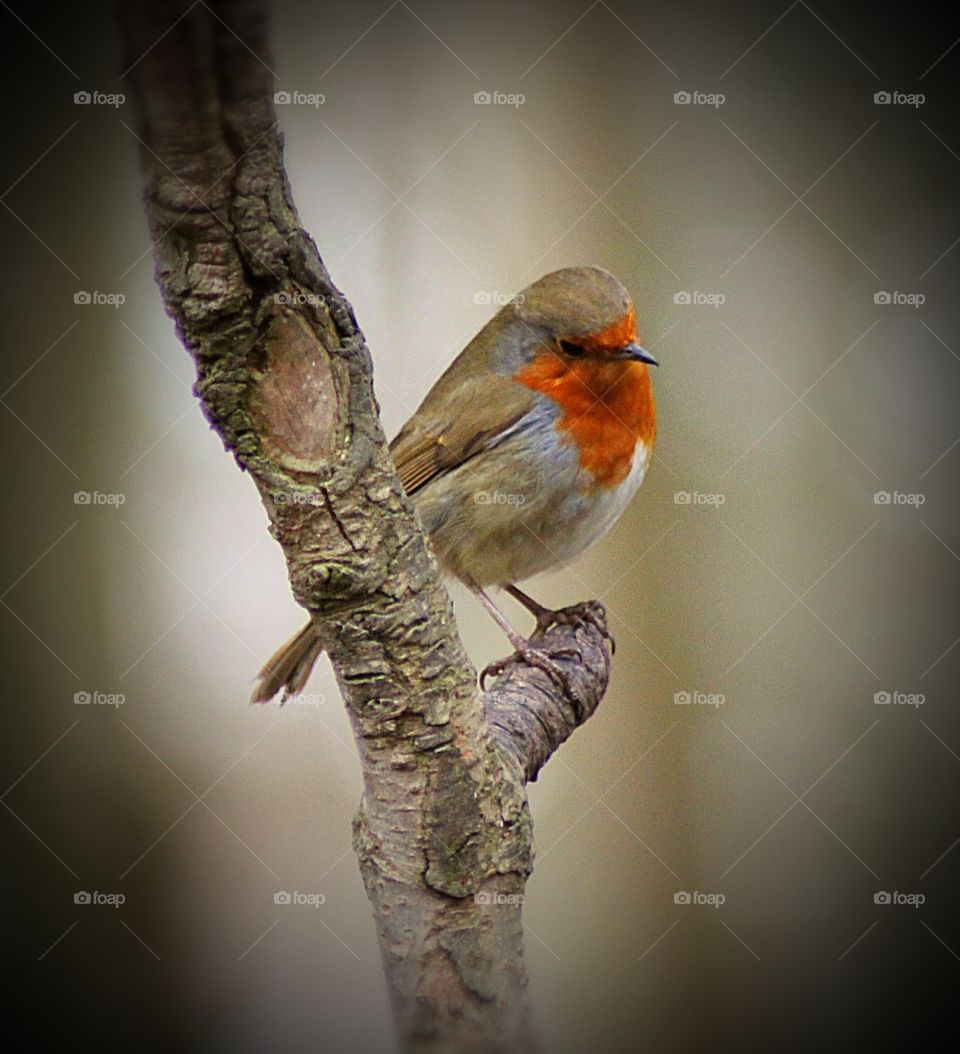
<point>525,451</point>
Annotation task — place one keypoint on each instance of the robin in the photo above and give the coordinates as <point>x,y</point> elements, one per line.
<point>525,452</point>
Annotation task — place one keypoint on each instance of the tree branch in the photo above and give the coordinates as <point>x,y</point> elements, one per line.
<point>528,716</point>
<point>285,378</point>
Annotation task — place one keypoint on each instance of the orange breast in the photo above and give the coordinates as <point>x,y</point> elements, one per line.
<point>607,408</point>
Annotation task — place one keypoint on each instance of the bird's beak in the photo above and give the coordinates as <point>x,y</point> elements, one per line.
<point>635,353</point>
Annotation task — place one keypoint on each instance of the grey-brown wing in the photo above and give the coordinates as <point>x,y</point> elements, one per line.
<point>454,426</point>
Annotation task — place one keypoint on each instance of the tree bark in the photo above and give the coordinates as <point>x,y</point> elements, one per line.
<point>443,833</point>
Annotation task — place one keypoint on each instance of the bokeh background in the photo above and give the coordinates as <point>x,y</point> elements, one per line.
<point>756,575</point>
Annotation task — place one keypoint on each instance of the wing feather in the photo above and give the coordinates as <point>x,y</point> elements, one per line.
<point>453,426</point>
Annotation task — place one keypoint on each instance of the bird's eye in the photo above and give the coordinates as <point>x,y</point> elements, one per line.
<point>571,349</point>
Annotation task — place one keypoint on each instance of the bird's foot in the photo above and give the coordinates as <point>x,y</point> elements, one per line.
<point>531,656</point>
<point>590,611</point>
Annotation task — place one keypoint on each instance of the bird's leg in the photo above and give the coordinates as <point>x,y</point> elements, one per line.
<point>522,647</point>
<point>512,635</point>
<point>547,617</point>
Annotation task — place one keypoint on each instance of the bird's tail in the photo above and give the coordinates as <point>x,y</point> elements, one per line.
<point>288,669</point>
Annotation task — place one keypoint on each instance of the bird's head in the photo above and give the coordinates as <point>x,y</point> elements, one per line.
<point>579,315</point>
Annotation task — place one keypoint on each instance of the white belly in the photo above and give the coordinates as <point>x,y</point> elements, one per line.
<point>604,508</point>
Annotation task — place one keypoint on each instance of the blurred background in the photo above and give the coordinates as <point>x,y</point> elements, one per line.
<point>755,840</point>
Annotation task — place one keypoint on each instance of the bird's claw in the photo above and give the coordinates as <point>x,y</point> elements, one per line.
<point>532,656</point>
<point>590,611</point>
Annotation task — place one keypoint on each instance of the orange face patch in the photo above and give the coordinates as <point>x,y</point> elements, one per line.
<point>607,407</point>
<point>616,336</point>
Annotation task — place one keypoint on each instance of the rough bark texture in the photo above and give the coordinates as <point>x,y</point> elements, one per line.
<point>443,834</point>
